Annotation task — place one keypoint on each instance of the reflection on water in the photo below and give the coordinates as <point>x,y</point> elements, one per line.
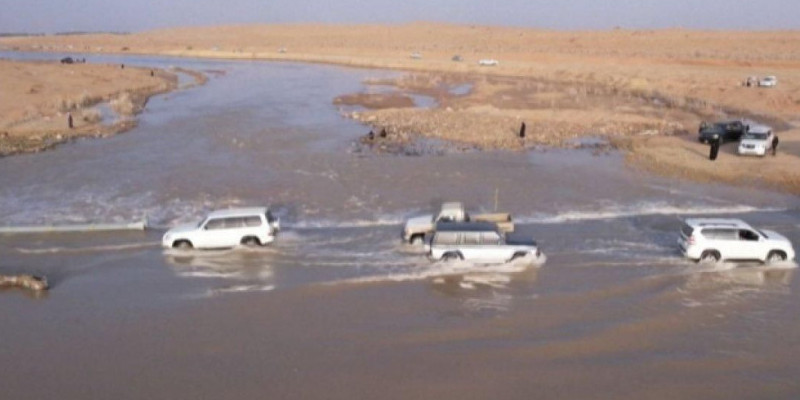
<point>242,269</point>
<point>731,283</point>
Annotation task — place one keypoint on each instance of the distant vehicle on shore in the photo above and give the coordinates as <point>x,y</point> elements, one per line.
<point>418,229</point>
<point>717,239</point>
<point>488,62</point>
<point>728,131</point>
<point>481,242</point>
<point>756,141</point>
<point>226,228</point>
<point>768,81</point>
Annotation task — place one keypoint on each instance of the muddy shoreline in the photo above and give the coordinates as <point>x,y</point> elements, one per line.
<point>627,86</point>
<point>490,116</point>
<point>38,125</point>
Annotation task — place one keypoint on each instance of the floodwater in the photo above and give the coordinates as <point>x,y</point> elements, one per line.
<point>337,307</point>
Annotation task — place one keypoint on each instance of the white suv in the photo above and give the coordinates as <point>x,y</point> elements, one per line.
<point>226,228</point>
<point>715,239</point>
<point>481,242</point>
<point>756,141</point>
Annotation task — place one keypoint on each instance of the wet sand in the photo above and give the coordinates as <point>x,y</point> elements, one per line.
<point>563,85</point>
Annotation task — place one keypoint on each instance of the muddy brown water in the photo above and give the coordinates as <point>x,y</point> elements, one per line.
<point>338,308</point>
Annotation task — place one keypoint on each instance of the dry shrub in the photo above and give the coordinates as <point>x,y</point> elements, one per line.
<point>123,104</point>
<point>74,103</point>
<point>91,115</point>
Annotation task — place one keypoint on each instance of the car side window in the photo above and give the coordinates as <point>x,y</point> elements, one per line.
<point>231,223</point>
<point>214,224</point>
<point>447,218</point>
<point>749,235</point>
<point>446,238</point>
<point>472,238</point>
<point>720,234</point>
<point>490,238</point>
<point>252,221</point>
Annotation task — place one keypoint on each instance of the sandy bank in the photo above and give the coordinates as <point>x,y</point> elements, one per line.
<point>650,88</point>
<point>38,98</point>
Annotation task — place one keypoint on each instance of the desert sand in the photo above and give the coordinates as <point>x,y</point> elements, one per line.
<point>38,98</point>
<point>646,90</point>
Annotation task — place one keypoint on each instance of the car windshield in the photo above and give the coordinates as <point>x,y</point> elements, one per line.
<point>755,135</point>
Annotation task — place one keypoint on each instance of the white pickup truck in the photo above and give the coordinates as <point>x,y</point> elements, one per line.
<point>419,228</point>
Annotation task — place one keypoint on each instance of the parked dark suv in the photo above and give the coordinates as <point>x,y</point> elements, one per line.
<point>728,131</point>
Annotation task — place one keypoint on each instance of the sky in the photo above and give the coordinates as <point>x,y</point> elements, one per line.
<point>51,16</point>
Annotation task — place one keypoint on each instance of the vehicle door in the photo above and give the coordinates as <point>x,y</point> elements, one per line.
<point>748,246</point>
<point>471,246</point>
<point>233,232</point>
<point>735,130</point>
<point>253,225</point>
<point>208,233</point>
<point>494,247</point>
<point>443,242</point>
<point>724,240</point>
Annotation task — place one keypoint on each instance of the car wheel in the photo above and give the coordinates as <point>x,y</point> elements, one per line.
<point>709,256</point>
<point>183,244</point>
<point>452,257</point>
<point>775,256</point>
<point>251,241</point>
<point>417,240</point>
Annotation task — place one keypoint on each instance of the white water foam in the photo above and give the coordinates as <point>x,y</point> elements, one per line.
<point>89,249</point>
<point>362,223</point>
<point>444,269</point>
<point>238,289</point>
<point>642,209</point>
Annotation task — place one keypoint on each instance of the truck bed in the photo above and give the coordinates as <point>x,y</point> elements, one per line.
<point>503,220</point>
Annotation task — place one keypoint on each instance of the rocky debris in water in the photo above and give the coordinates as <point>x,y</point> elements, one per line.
<point>489,129</point>
<point>390,140</point>
<point>29,282</point>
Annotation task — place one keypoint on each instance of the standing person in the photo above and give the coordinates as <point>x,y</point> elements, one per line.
<point>522,130</point>
<point>69,120</point>
<point>714,148</point>
<point>775,141</point>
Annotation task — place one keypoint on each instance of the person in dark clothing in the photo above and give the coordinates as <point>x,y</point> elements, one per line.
<point>522,130</point>
<point>383,132</point>
<point>69,120</point>
<point>775,141</point>
<point>371,135</point>
<point>712,155</point>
